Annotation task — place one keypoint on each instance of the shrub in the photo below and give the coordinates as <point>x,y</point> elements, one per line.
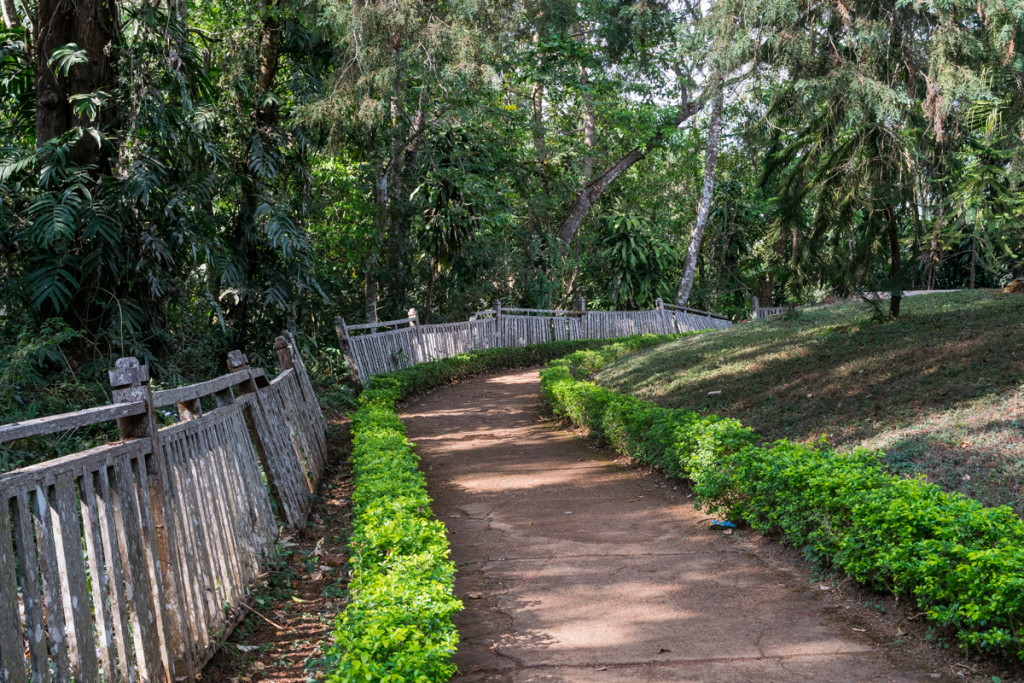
<point>963,563</point>
<point>398,625</point>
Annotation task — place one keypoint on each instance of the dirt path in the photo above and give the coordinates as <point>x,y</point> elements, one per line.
<point>575,568</point>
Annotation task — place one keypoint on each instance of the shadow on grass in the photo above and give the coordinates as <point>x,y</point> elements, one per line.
<point>953,366</point>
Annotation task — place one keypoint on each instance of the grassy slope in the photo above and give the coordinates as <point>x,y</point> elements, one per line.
<point>941,391</point>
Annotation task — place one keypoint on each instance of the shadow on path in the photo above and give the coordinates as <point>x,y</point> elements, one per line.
<point>574,568</point>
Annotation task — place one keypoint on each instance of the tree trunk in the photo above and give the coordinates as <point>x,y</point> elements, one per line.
<point>537,119</point>
<point>269,53</point>
<point>704,210</point>
<point>399,212</point>
<point>370,268</point>
<point>387,192</point>
<point>396,222</point>
<point>592,191</point>
<point>370,285</point>
<point>246,241</point>
<point>932,257</point>
<point>178,9</point>
<point>974,258</point>
<point>11,18</point>
<point>537,125</point>
<point>765,291</point>
<point>54,27</point>
<point>895,262</point>
<point>96,29</point>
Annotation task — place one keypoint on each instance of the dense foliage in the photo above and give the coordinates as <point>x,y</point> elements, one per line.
<point>397,626</point>
<point>213,172</point>
<point>961,562</point>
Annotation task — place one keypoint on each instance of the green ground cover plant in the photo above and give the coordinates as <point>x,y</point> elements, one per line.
<point>398,625</point>
<point>962,562</point>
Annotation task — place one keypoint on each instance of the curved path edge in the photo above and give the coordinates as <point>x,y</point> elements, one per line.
<point>575,568</point>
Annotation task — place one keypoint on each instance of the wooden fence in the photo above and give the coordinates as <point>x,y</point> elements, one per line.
<point>375,348</point>
<point>127,561</point>
<point>760,312</point>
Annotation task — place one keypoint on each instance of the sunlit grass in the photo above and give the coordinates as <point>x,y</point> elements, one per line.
<point>941,390</point>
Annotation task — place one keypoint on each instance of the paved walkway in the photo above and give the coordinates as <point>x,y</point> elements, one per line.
<point>574,568</point>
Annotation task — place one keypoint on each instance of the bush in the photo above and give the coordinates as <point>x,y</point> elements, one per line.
<point>398,625</point>
<point>963,563</point>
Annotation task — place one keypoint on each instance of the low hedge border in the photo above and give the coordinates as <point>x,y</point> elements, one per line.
<point>962,562</point>
<point>398,625</point>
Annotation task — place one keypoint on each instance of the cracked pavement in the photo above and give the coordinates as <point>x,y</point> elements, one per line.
<point>573,567</point>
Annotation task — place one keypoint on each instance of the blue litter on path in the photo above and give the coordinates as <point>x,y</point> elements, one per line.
<point>722,525</point>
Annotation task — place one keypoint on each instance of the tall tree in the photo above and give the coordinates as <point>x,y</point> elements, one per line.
<point>707,194</point>
<point>632,46</point>
<point>76,47</point>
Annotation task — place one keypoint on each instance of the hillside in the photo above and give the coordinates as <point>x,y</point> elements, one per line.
<point>941,391</point>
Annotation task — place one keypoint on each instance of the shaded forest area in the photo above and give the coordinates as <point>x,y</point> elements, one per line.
<point>179,179</point>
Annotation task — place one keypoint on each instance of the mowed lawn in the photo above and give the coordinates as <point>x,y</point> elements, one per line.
<point>941,391</point>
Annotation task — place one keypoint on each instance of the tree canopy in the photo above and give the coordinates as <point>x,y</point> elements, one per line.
<point>181,178</point>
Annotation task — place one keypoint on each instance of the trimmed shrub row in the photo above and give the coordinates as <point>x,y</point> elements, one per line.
<point>398,623</point>
<point>962,563</point>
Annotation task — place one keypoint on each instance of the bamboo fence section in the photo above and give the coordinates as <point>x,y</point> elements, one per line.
<point>406,342</point>
<point>129,560</point>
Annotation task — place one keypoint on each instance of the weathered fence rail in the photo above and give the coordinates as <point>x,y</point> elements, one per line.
<point>129,560</point>
<point>369,352</point>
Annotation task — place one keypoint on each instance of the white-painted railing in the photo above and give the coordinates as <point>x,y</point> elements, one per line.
<point>132,560</point>
<point>410,343</point>
<point>761,312</point>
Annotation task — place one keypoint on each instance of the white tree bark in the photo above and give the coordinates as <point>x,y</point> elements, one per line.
<point>704,209</point>
<point>11,19</point>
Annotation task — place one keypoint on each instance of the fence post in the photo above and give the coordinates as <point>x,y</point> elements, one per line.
<point>417,336</point>
<point>757,305</point>
<point>498,336</point>
<point>130,382</point>
<point>284,354</point>
<point>581,306</point>
<point>238,362</point>
<point>663,315</point>
<point>346,350</point>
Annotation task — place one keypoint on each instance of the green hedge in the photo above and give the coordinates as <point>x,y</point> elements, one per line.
<point>398,623</point>
<point>963,563</point>
<point>397,626</point>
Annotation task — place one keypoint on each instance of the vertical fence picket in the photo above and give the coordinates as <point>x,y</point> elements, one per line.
<point>113,558</point>
<point>99,579</point>
<point>12,645</point>
<point>53,606</point>
<point>31,582</point>
<point>77,608</point>
<point>136,571</point>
